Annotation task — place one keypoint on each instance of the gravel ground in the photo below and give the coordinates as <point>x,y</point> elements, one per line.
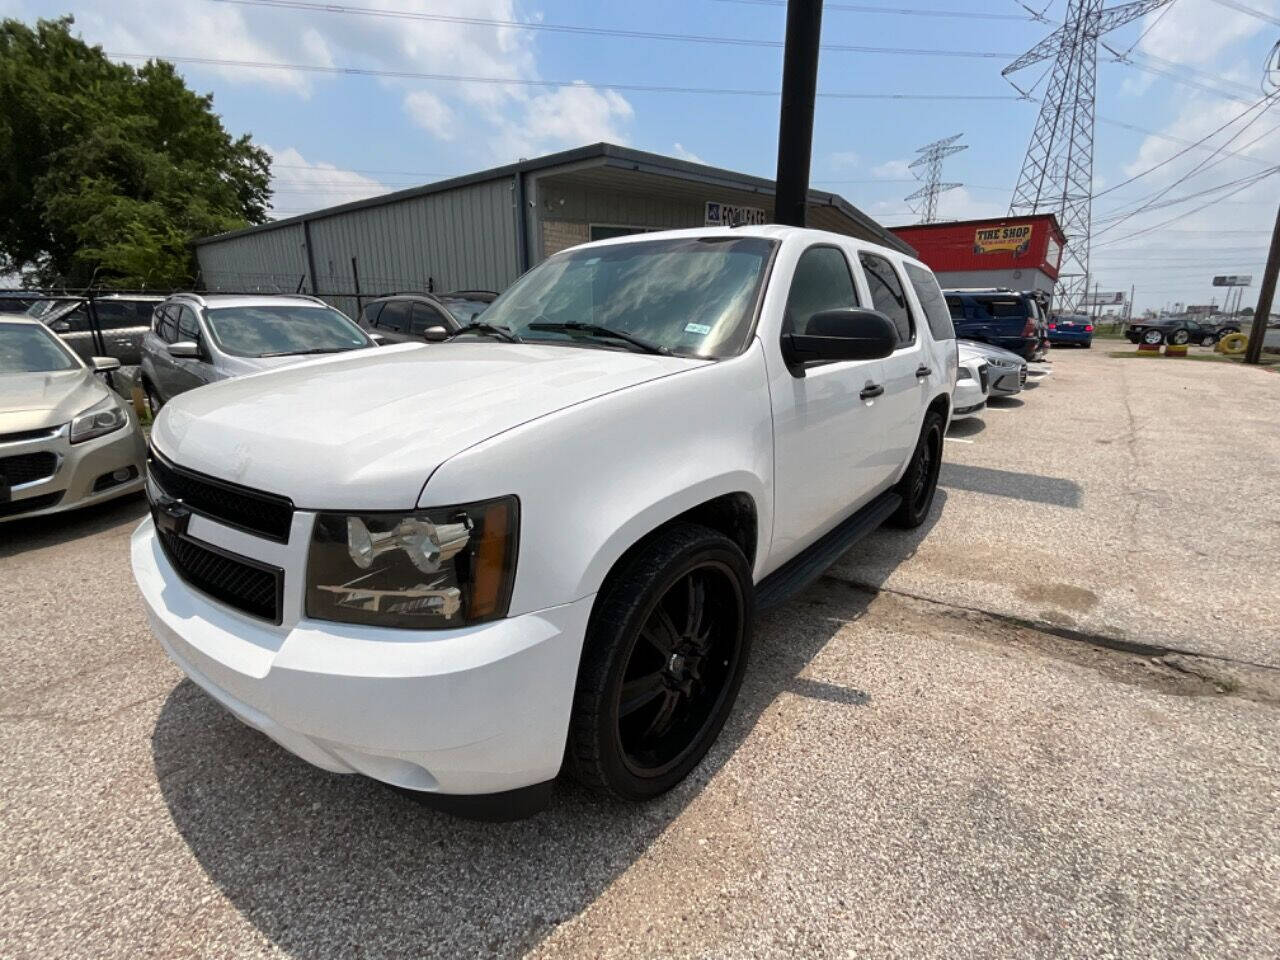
<point>957,764</point>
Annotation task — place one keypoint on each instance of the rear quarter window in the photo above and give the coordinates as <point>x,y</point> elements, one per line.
<point>1004,308</point>
<point>936,309</point>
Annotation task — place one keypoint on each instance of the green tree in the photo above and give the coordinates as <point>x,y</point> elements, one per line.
<point>108,172</point>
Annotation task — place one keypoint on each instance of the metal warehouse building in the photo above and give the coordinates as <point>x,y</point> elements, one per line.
<point>483,230</point>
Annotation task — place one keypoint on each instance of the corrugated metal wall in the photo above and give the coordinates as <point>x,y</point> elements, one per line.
<point>462,238</point>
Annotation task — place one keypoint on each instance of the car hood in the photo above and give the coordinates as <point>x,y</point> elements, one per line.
<point>32,401</point>
<point>986,351</point>
<point>365,430</point>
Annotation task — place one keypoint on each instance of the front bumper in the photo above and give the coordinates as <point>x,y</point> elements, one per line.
<point>478,710</point>
<point>967,400</point>
<point>1006,381</point>
<point>83,475</point>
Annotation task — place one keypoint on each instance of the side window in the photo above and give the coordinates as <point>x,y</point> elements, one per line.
<point>887,294</point>
<point>371,312</point>
<point>822,281</point>
<point>188,325</point>
<point>425,316</point>
<point>162,324</point>
<point>115,315</point>
<point>395,316</point>
<point>955,306</point>
<point>76,321</point>
<point>929,294</point>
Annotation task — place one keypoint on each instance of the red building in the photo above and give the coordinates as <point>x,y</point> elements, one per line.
<point>1021,253</point>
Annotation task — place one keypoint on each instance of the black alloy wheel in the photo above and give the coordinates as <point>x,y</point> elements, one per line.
<point>665,653</point>
<point>920,482</point>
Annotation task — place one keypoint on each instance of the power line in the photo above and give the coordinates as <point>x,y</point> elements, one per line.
<point>1172,139</point>
<point>582,30</point>
<point>529,82</point>
<point>1233,5</point>
<point>901,11</point>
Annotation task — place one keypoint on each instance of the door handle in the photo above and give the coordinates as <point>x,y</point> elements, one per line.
<point>871,390</point>
<point>923,371</point>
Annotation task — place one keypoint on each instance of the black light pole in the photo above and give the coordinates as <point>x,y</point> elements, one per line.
<point>795,127</point>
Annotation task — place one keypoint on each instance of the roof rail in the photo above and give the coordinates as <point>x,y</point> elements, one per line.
<point>187,295</point>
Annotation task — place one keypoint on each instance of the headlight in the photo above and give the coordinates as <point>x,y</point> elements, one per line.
<point>99,419</point>
<point>964,374</point>
<point>429,569</point>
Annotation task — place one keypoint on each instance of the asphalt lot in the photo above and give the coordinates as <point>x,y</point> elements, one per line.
<point>1043,725</point>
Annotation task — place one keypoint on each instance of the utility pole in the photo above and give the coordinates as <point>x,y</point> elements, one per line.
<point>795,125</point>
<point>1262,313</point>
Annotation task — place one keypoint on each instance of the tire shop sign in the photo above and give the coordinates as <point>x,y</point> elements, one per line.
<point>732,215</point>
<point>1016,237</point>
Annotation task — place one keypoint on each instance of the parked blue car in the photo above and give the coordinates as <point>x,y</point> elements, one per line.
<point>1002,318</point>
<point>1075,328</point>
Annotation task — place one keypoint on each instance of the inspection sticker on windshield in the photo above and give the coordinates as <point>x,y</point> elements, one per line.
<point>701,328</point>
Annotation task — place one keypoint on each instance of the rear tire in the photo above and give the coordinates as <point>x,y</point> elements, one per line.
<point>1179,337</point>
<point>665,652</point>
<point>920,482</point>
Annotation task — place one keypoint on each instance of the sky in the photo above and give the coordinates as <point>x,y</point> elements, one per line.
<point>1185,70</point>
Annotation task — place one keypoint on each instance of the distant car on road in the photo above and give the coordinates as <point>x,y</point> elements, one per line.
<point>200,339</point>
<point>1007,372</point>
<point>1179,330</point>
<point>66,439</point>
<point>1003,318</point>
<point>1074,328</point>
<point>411,317</point>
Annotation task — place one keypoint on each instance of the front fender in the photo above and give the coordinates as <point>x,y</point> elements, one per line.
<point>595,478</point>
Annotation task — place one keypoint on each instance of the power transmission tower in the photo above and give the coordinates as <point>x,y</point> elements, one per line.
<point>1057,174</point>
<point>931,156</point>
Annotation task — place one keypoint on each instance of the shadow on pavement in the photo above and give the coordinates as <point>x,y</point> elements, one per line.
<point>17,536</point>
<point>969,427</point>
<point>1006,402</point>
<point>1032,487</point>
<point>332,866</point>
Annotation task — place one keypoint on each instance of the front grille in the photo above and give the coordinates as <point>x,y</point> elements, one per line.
<point>265,514</point>
<point>1022,377</point>
<point>15,507</point>
<point>984,377</point>
<point>44,433</point>
<point>254,588</point>
<point>28,467</point>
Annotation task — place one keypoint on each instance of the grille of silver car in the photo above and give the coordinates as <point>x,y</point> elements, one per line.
<point>28,467</point>
<point>44,433</point>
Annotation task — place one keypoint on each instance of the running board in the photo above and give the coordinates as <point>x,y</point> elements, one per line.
<point>800,571</point>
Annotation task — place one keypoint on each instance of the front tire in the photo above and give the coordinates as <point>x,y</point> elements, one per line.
<point>153,401</point>
<point>920,482</point>
<point>1153,337</point>
<point>1179,337</point>
<point>664,657</point>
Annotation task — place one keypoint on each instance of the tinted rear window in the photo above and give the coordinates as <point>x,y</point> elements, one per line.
<point>1003,308</point>
<point>936,310</point>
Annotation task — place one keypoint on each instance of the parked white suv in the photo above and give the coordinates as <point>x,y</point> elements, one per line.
<point>455,567</point>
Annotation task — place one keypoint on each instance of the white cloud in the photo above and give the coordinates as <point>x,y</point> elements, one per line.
<point>891,170</point>
<point>431,113</point>
<point>845,159</point>
<point>300,185</point>
<point>566,116</point>
<point>678,150</point>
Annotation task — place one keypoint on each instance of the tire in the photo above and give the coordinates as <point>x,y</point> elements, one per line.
<point>920,482</point>
<point>154,403</point>
<point>1153,336</point>
<point>1234,344</point>
<point>673,624</point>
<point>1088,344</point>
<point>1179,337</point>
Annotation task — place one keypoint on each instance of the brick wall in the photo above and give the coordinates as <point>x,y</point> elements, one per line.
<point>559,235</point>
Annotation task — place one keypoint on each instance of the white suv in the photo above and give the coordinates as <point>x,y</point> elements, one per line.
<point>456,567</point>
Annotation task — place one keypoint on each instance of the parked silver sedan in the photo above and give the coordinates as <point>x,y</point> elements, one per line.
<point>1007,370</point>
<point>66,439</point>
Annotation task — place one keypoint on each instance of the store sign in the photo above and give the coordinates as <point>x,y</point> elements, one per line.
<point>995,239</point>
<point>731,215</point>
<point>1242,280</point>
<point>1104,298</point>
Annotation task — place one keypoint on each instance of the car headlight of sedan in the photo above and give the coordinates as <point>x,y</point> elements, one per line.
<point>102,418</point>
<point>427,569</point>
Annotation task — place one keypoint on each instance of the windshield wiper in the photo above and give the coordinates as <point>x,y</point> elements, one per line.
<point>596,330</point>
<point>479,326</point>
<point>303,353</point>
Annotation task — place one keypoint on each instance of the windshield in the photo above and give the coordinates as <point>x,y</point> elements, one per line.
<point>696,296</point>
<point>28,348</point>
<point>465,310</point>
<point>276,330</point>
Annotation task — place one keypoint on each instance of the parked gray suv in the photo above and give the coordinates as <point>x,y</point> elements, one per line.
<point>197,339</point>
<point>122,318</point>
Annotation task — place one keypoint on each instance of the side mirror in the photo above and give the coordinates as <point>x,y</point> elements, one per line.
<point>105,364</point>
<point>377,338</point>
<point>187,349</point>
<point>435,334</point>
<point>852,334</point>
<point>60,326</point>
